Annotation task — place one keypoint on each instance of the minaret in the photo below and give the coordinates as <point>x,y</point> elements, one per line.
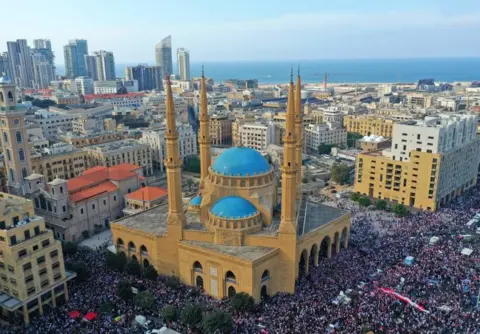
<point>299,133</point>
<point>204,132</point>
<point>173,165</point>
<point>289,168</point>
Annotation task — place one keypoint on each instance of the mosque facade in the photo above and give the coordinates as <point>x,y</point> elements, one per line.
<point>246,230</point>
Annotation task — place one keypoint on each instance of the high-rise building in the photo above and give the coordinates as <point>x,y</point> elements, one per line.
<point>15,144</point>
<point>44,47</point>
<point>84,85</point>
<point>163,55</point>
<point>183,62</point>
<point>4,65</point>
<point>148,77</point>
<point>21,64</point>
<point>42,44</point>
<point>44,72</point>
<point>74,53</point>
<point>91,67</point>
<point>105,64</point>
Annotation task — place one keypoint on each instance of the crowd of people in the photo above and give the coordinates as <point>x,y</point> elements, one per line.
<point>441,280</point>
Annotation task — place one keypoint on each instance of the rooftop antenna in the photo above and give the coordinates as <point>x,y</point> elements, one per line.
<point>291,74</point>
<point>202,72</point>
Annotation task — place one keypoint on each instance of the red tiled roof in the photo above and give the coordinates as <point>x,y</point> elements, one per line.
<point>99,189</point>
<point>147,194</point>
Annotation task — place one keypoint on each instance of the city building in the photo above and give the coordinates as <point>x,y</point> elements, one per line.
<point>85,125</point>
<point>281,117</point>
<point>51,123</point>
<point>183,63</point>
<point>15,144</point>
<point>42,44</point>
<point>84,85</point>
<point>106,87</point>
<point>31,264</point>
<point>74,53</point>
<point>258,135</point>
<point>368,125</point>
<point>163,55</point>
<point>317,134</point>
<point>143,199</point>
<point>5,65</point>
<point>114,100</point>
<point>155,139</point>
<point>429,164</point>
<point>63,97</point>
<point>43,71</point>
<point>231,238</point>
<point>81,140</point>
<point>148,77</point>
<point>373,143</point>
<point>423,100</point>
<point>91,67</point>
<point>220,129</point>
<point>105,65</point>
<point>128,151</point>
<point>86,204</point>
<point>21,63</point>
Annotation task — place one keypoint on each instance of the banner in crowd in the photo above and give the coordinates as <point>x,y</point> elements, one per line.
<point>403,299</point>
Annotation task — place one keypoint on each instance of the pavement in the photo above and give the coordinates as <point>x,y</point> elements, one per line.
<point>98,239</point>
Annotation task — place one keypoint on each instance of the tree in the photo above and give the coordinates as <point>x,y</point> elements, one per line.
<point>364,201</point>
<point>124,290</point>
<point>133,267</point>
<point>29,98</point>
<point>352,137</point>
<point>324,148</point>
<point>151,273</point>
<point>242,302</point>
<point>400,210</point>
<point>172,282</point>
<point>69,248</point>
<point>81,269</point>
<point>191,316</point>
<point>340,173</point>
<point>219,322</point>
<point>190,184</point>
<point>193,164</point>
<point>145,300</point>
<point>354,196</point>
<point>381,204</point>
<point>169,313</point>
<point>44,104</point>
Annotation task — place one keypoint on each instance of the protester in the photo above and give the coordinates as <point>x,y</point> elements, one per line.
<point>441,281</point>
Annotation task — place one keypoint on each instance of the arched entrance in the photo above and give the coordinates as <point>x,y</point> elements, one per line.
<point>146,263</point>
<point>134,258</point>
<point>264,292</point>
<point>336,244</point>
<point>324,246</point>
<point>199,282</point>
<point>231,291</point>
<point>344,238</point>
<point>230,277</point>
<point>313,259</point>
<point>302,265</point>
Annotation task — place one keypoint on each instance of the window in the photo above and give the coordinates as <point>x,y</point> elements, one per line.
<point>12,175</point>
<point>64,208</point>
<point>13,240</point>
<point>22,253</point>
<point>31,290</point>
<point>2,224</point>
<point>81,211</point>
<point>27,266</point>
<point>55,265</point>
<point>25,174</point>
<point>11,269</point>
<point>61,190</point>
<point>27,234</point>
<point>42,272</point>
<point>18,135</point>
<point>41,259</point>
<point>44,283</point>
<point>45,243</point>
<point>54,253</point>
<point>37,230</point>
<point>21,154</point>
<point>93,206</point>
<point>5,137</point>
<point>9,156</point>
<point>35,248</point>
<point>104,202</point>
<point>29,278</point>
<point>13,281</point>
<point>114,198</point>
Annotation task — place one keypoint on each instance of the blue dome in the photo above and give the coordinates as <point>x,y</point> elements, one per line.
<point>233,207</point>
<point>197,200</point>
<point>5,79</point>
<point>241,161</point>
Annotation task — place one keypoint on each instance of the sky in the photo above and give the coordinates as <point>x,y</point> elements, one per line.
<point>219,30</point>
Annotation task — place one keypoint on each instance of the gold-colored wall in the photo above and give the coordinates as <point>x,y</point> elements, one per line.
<point>367,126</point>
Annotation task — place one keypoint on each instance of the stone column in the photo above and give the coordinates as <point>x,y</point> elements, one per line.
<point>25,314</point>
<point>65,292</point>
<point>329,250</point>
<point>54,299</point>
<point>40,306</point>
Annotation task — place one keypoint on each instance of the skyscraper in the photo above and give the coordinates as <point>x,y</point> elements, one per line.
<point>44,47</point>
<point>74,53</point>
<point>4,65</point>
<point>44,72</point>
<point>91,66</point>
<point>183,62</point>
<point>148,77</point>
<point>42,44</point>
<point>163,55</point>
<point>21,65</point>
<point>105,64</point>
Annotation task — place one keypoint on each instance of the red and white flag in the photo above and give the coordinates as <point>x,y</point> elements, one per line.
<point>403,299</point>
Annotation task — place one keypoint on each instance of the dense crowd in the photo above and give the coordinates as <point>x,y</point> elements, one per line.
<point>441,280</point>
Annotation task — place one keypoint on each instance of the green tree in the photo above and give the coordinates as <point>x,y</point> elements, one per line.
<point>190,184</point>
<point>219,322</point>
<point>364,201</point>
<point>354,196</point>
<point>340,173</point>
<point>81,269</point>
<point>69,248</point>
<point>242,302</point>
<point>381,204</point>
<point>352,137</point>
<point>124,290</point>
<point>172,282</point>
<point>133,267</point>
<point>29,98</point>
<point>44,104</point>
<point>191,316</point>
<point>324,148</point>
<point>151,273</point>
<point>169,313</point>
<point>400,210</point>
<point>193,164</point>
<point>145,300</point>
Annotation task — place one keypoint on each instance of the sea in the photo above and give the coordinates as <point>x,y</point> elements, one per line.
<point>339,70</point>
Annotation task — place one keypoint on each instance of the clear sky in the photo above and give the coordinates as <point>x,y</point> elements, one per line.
<point>223,30</point>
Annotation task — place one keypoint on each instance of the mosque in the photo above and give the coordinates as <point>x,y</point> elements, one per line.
<point>245,231</point>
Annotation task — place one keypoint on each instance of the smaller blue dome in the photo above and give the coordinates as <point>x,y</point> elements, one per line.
<point>197,200</point>
<point>233,207</point>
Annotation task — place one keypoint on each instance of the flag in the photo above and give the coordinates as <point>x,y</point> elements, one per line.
<point>403,299</point>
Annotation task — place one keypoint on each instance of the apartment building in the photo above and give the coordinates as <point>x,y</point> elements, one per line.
<point>32,268</point>
<point>367,125</point>
<point>317,134</point>
<point>155,139</point>
<point>258,135</point>
<point>129,151</point>
<point>420,99</point>
<point>281,118</point>
<point>51,122</point>
<point>240,120</point>
<point>221,129</point>
<point>79,140</point>
<point>87,125</point>
<point>430,162</point>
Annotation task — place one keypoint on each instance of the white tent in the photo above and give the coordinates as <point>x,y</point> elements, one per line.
<point>467,251</point>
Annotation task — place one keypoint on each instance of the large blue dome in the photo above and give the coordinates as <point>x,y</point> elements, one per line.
<point>233,207</point>
<point>240,161</point>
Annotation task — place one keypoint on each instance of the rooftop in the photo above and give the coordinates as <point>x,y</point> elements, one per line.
<point>114,145</point>
<point>99,189</point>
<point>150,221</point>
<point>147,194</point>
<point>98,174</point>
<point>249,253</point>
<point>313,215</point>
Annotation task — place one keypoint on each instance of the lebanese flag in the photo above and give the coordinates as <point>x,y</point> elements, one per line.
<point>403,299</point>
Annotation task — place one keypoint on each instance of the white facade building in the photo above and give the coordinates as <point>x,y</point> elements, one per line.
<point>183,62</point>
<point>84,85</point>
<point>258,135</point>
<point>317,134</point>
<point>51,122</point>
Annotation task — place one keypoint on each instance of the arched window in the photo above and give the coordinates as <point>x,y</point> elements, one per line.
<point>197,267</point>
<point>10,96</point>
<point>24,172</point>
<point>37,205</point>
<point>9,156</point>
<point>53,191</point>
<point>1,97</point>
<point>61,190</point>
<point>143,250</point>
<point>199,282</point>
<point>12,175</point>
<point>119,242</point>
<point>131,247</point>
<point>230,277</point>
<point>231,291</point>
<point>265,275</point>
<point>5,137</point>
<point>18,134</point>
<point>145,263</point>
<point>21,154</point>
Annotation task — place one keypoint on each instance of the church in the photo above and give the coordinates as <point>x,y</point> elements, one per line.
<point>245,230</point>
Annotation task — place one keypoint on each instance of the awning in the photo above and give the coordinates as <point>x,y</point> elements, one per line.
<point>467,251</point>
<point>73,314</point>
<point>90,316</point>
<point>112,249</point>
